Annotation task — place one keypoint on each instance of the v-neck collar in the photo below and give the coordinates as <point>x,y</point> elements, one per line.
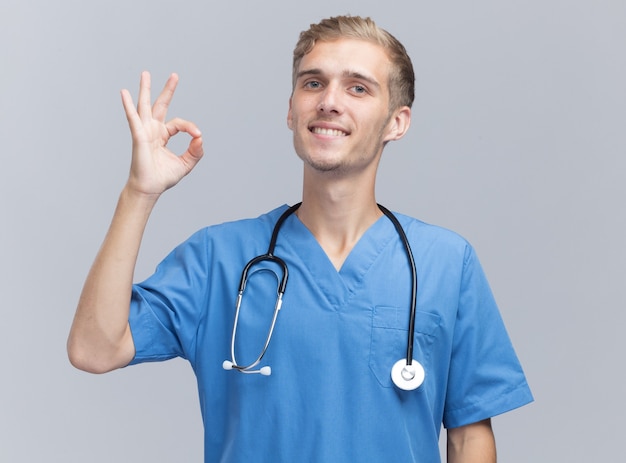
<point>338,286</point>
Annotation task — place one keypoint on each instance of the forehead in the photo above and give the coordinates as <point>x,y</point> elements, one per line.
<point>348,57</point>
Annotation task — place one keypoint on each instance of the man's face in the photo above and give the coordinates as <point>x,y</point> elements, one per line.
<point>339,109</point>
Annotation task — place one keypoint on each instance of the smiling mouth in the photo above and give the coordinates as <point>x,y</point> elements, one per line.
<point>329,132</point>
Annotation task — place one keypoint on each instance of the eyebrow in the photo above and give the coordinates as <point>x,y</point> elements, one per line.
<point>347,73</point>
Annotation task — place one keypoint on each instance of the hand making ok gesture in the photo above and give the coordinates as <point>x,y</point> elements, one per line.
<point>154,168</point>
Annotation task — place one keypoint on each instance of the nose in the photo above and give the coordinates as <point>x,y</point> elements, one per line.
<point>330,101</point>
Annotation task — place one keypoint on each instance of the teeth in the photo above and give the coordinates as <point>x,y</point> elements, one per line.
<point>331,132</point>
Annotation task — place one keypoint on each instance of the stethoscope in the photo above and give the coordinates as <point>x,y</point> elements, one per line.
<point>406,373</point>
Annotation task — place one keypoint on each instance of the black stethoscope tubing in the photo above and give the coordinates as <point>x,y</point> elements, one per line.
<point>409,254</point>
<point>411,381</point>
<point>269,255</point>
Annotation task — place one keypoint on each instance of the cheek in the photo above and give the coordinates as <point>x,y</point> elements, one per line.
<point>292,122</point>
<point>295,122</point>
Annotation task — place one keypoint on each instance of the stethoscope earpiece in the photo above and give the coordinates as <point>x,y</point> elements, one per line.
<point>265,371</point>
<point>407,377</point>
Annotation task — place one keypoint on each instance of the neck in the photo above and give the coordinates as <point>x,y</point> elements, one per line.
<point>337,212</point>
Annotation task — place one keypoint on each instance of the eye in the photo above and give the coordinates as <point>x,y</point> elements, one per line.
<point>312,84</point>
<point>359,89</point>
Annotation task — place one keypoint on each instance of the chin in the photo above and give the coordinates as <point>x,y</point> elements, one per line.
<point>322,164</point>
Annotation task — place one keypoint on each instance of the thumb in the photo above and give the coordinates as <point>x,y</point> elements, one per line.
<point>194,153</point>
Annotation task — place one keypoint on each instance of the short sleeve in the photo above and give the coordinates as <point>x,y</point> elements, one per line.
<point>165,309</point>
<point>485,377</point>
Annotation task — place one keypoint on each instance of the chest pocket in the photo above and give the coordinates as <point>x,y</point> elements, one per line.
<point>389,340</point>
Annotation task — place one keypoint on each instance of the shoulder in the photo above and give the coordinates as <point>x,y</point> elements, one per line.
<point>237,234</point>
<point>229,242</point>
<point>263,221</point>
<point>428,235</point>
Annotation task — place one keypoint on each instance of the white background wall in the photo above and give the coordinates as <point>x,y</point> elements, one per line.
<point>518,143</point>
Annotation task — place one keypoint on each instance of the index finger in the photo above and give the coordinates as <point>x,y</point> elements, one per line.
<point>162,103</point>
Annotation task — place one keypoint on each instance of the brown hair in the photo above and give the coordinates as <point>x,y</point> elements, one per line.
<point>402,77</point>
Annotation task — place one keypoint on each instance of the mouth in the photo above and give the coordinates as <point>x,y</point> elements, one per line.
<point>329,132</point>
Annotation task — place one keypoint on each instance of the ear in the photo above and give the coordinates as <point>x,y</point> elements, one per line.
<point>398,124</point>
<point>289,117</point>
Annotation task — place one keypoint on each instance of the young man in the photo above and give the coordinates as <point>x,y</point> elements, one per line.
<point>345,314</point>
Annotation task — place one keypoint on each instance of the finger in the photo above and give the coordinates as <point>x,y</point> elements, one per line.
<point>194,153</point>
<point>162,103</point>
<point>143,104</point>
<point>180,125</point>
<point>131,113</point>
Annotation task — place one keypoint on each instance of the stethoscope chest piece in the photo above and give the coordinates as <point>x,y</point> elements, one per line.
<point>407,377</point>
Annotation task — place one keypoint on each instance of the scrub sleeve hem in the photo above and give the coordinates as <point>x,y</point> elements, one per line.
<point>143,329</point>
<point>483,410</point>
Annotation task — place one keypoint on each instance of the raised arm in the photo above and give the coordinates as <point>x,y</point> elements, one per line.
<point>100,338</point>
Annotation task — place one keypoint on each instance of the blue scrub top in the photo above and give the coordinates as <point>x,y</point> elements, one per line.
<point>330,397</point>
